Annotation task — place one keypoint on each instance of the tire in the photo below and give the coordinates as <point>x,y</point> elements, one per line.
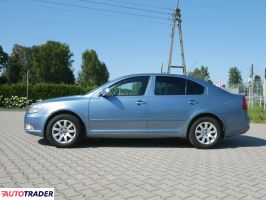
<point>64,130</point>
<point>205,133</point>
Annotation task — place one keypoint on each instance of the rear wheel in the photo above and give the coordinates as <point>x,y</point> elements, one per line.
<point>64,130</point>
<point>205,133</point>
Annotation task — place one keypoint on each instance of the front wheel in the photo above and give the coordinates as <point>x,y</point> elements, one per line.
<point>64,130</point>
<point>205,133</point>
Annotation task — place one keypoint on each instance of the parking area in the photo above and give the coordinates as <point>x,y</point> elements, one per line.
<point>134,169</point>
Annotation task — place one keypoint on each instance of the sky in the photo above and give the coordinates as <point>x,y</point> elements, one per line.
<point>218,34</point>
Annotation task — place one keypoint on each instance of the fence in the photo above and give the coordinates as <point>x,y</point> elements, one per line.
<point>253,93</point>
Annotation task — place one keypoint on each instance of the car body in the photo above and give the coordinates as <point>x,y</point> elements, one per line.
<point>142,106</point>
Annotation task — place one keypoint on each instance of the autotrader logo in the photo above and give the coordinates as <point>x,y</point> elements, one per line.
<point>27,193</point>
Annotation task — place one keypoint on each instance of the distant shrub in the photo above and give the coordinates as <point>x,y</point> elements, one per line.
<point>14,102</point>
<point>1,101</point>
<point>257,114</point>
<point>41,90</point>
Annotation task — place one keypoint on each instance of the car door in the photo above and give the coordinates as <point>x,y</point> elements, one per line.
<point>123,113</point>
<point>171,105</point>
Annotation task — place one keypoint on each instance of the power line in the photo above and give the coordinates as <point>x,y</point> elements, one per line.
<point>135,18</point>
<point>141,4</point>
<point>127,7</point>
<point>101,9</point>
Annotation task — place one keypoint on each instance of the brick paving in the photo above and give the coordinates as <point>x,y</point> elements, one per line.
<point>134,169</point>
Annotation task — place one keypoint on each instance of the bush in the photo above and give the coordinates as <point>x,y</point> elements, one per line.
<point>257,114</point>
<point>14,102</point>
<point>1,101</point>
<point>41,90</point>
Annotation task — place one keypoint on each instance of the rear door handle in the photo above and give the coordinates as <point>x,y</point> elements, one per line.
<point>193,102</point>
<point>140,102</point>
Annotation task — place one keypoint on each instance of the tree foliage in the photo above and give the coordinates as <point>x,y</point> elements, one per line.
<point>47,63</point>
<point>93,71</point>
<point>258,85</point>
<point>16,66</point>
<point>234,76</point>
<point>3,64</point>
<point>3,59</point>
<point>201,73</point>
<point>52,63</point>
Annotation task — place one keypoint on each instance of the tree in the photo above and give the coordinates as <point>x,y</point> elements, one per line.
<point>3,59</point>
<point>258,86</point>
<point>3,64</point>
<point>16,64</point>
<point>93,71</point>
<point>201,73</point>
<point>234,76</point>
<point>52,63</point>
<point>47,63</point>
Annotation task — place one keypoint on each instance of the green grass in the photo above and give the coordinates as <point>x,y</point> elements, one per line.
<point>257,114</point>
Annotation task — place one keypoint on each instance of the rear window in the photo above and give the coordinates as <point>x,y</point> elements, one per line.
<point>194,88</point>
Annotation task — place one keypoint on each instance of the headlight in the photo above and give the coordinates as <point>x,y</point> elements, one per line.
<point>35,108</point>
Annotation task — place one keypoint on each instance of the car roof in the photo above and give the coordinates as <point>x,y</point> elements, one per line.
<point>202,82</point>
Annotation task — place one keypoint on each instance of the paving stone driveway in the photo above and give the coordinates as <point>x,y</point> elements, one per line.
<point>134,169</point>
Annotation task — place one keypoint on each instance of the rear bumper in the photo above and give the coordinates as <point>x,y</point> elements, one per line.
<point>236,125</point>
<point>34,123</point>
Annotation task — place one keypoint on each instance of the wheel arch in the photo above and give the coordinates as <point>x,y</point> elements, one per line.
<point>220,121</point>
<point>64,112</point>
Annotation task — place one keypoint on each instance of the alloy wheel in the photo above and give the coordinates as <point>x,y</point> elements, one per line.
<point>63,131</point>
<point>206,133</point>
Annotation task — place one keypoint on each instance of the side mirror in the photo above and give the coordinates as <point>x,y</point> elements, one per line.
<point>105,92</point>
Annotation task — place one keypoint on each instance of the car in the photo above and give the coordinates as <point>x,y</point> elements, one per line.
<point>142,106</point>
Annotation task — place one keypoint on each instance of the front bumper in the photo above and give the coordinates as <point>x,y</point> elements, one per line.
<point>34,123</point>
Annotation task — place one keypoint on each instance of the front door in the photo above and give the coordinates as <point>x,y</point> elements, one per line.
<point>123,113</point>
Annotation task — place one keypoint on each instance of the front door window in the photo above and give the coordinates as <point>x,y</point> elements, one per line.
<point>135,86</point>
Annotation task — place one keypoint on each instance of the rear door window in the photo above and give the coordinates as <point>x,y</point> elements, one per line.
<point>166,85</point>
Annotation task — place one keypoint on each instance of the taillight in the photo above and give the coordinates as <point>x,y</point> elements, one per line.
<point>245,104</point>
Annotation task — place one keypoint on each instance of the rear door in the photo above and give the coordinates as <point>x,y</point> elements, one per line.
<point>171,104</point>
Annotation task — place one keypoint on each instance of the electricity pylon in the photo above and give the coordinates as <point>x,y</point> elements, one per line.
<point>177,18</point>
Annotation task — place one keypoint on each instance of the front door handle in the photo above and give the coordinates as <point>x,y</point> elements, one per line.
<point>140,102</point>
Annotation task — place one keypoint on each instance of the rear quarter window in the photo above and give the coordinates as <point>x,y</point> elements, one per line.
<point>194,88</point>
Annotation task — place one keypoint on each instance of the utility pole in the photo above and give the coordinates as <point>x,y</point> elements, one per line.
<point>177,18</point>
<point>172,43</point>
<point>264,90</point>
<point>27,92</point>
<point>252,85</point>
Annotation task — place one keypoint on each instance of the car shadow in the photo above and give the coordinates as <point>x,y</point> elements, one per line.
<point>241,141</point>
<point>230,142</point>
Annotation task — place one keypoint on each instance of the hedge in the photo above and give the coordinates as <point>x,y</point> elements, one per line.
<point>41,90</point>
